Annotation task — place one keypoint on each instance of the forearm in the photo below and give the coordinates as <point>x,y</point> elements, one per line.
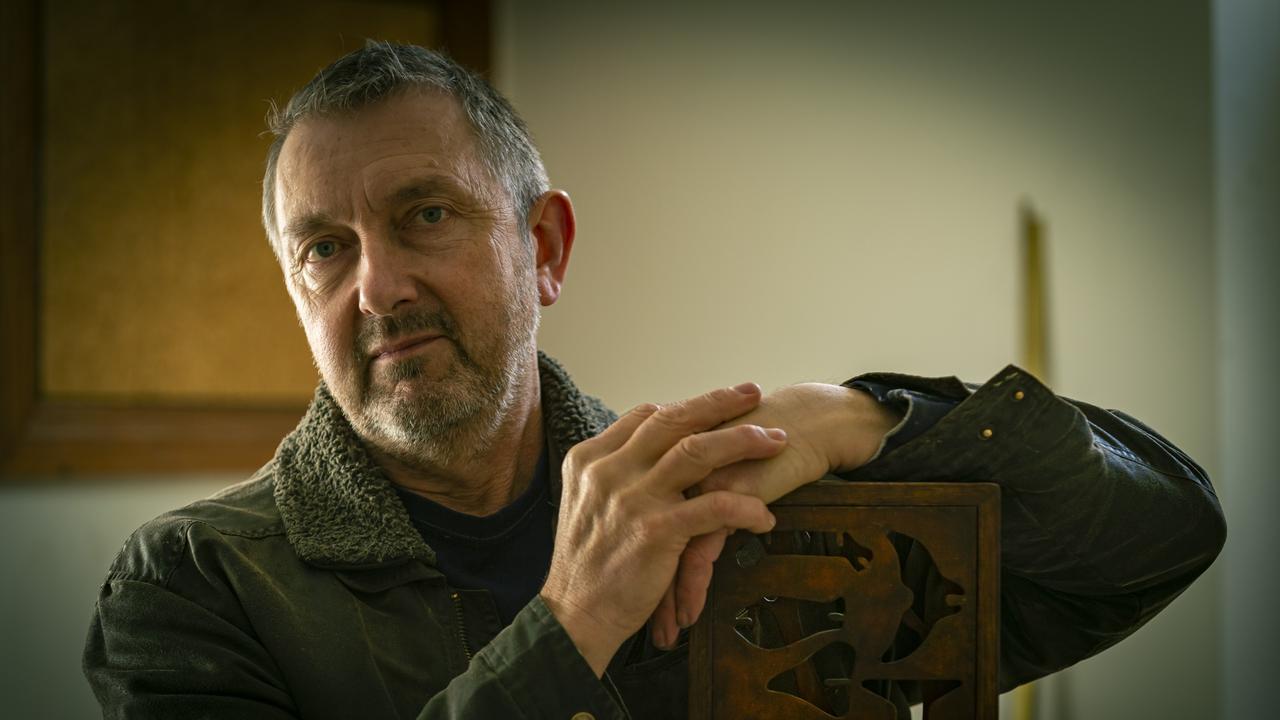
<point>1103,522</point>
<point>1091,503</point>
<point>154,654</point>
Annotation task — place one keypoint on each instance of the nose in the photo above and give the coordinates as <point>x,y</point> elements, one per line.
<point>385,277</point>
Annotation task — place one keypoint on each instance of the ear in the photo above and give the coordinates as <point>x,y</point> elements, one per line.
<point>553,225</point>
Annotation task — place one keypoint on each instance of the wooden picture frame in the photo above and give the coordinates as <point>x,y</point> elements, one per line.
<point>43,436</point>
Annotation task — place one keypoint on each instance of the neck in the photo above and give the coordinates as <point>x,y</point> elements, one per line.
<point>480,483</point>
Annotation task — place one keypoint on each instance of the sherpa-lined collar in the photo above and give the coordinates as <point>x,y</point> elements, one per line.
<point>338,506</point>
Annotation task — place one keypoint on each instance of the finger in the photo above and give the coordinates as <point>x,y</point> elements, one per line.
<point>662,625</point>
<point>717,510</point>
<point>742,477</point>
<point>694,457</point>
<point>622,429</point>
<point>694,575</point>
<point>667,426</point>
<point>767,479</point>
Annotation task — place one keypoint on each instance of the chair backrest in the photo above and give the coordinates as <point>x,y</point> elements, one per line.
<point>865,597</point>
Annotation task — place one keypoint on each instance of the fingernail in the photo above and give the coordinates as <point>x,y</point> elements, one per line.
<point>776,433</point>
<point>682,618</point>
<point>747,388</point>
<point>773,520</point>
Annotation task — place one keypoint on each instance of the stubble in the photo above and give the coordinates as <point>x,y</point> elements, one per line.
<point>434,421</point>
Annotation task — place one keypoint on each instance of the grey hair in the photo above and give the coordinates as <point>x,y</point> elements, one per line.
<point>381,69</point>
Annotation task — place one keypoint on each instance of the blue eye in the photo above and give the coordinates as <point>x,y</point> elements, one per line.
<point>432,215</point>
<point>324,249</point>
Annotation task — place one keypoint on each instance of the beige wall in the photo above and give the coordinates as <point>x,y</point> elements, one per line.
<point>785,191</point>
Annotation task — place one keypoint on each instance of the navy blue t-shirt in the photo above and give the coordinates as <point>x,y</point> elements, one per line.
<point>507,553</point>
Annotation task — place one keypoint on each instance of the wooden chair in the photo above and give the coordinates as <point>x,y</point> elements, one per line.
<point>861,593</point>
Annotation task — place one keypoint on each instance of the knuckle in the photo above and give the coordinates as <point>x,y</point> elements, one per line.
<point>720,503</point>
<point>576,459</point>
<point>694,448</point>
<point>647,529</point>
<point>584,465</point>
<point>644,410</point>
<point>606,470</point>
<point>675,415</point>
<point>723,395</point>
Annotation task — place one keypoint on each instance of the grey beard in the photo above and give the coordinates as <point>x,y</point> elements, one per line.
<point>443,427</point>
<point>461,419</point>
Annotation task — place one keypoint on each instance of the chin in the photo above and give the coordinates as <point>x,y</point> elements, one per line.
<point>420,413</point>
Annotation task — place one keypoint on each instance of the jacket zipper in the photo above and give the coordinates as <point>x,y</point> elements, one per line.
<point>462,625</point>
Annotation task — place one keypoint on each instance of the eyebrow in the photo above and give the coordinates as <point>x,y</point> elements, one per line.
<point>414,189</point>
<point>421,187</point>
<point>308,224</point>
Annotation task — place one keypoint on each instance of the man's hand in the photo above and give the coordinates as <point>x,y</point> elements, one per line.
<point>625,519</point>
<point>829,429</point>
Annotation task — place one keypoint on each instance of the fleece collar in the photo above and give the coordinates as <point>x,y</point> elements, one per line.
<point>339,508</point>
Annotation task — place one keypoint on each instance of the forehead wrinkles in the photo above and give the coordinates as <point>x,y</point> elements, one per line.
<point>382,180</point>
<point>306,175</point>
<point>335,165</point>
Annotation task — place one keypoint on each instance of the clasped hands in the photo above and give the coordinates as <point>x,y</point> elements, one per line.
<point>647,504</point>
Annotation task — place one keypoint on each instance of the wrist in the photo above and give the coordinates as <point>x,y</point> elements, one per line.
<point>596,641</point>
<point>859,429</point>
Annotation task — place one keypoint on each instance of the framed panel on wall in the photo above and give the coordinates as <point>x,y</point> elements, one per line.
<point>145,324</point>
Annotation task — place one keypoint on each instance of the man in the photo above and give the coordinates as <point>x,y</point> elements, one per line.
<point>454,530</point>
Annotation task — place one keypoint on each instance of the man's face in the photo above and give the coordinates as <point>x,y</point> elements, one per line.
<point>404,262</point>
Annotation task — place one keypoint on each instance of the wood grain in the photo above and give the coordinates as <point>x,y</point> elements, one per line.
<point>858,586</point>
<point>144,328</point>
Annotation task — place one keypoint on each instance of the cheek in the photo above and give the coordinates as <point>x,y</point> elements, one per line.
<point>330,339</point>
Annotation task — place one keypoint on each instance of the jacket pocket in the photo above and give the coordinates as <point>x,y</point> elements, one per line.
<point>657,687</point>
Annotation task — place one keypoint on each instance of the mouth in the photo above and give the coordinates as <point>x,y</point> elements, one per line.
<point>403,348</point>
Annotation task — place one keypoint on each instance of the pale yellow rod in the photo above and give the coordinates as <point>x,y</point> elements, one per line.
<point>1035,331</point>
<point>1035,360</point>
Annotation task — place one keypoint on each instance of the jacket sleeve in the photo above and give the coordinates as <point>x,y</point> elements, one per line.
<point>153,652</point>
<point>1103,521</point>
<point>169,638</point>
<point>531,669</point>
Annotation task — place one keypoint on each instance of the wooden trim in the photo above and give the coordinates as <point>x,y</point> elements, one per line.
<point>74,439</point>
<point>989,561</point>
<point>466,34</point>
<point>41,436</point>
<point>19,26</point>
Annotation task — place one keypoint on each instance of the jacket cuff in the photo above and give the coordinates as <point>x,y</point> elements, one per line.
<point>920,411</point>
<point>1008,421</point>
<point>543,671</point>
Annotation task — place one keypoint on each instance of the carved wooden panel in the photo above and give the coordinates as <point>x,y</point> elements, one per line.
<point>859,588</point>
